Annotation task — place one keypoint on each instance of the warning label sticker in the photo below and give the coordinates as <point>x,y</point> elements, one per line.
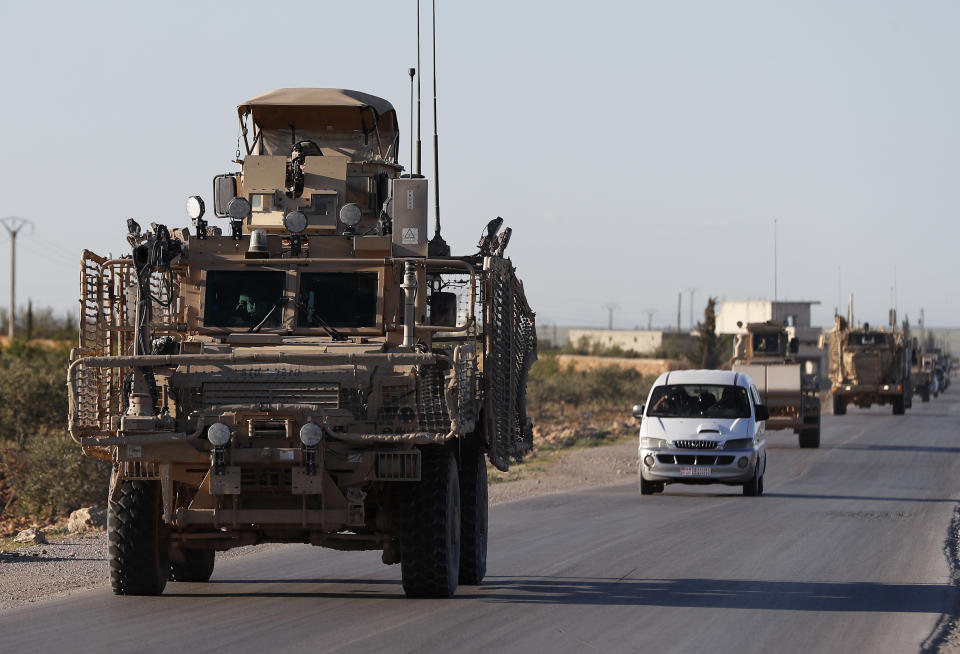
<point>410,236</point>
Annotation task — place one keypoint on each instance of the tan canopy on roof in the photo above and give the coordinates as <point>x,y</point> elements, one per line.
<point>319,108</point>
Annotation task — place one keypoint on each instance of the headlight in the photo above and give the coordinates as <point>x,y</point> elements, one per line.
<point>295,222</point>
<point>311,434</point>
<point>350,214</point>
<point>652,443</point>
<point>195,207</point>
<point>218,434</point>
<point>238,209</point>
<point>739,444</point>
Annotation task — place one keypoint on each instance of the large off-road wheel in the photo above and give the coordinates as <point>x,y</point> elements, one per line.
<point>430,542</point>
<point>138,549</point>
<point>925,394</point>
<point>197,566</point>
<point>839,406</point>
<point>898,408</point>
<point>473,516</point>
<point>754,487</point>
<point>810,434</point>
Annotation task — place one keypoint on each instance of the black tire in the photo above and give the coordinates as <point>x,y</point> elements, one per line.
<point>839,406</point>
<point>810,438</point>
<point>473,516</point>
<point>647,487</point>
<point>898,408</point>
<point>138,550</point>
<point>197,566</point>
<point>754,487</point>
<point>925,394</point>
<point>430,542</point>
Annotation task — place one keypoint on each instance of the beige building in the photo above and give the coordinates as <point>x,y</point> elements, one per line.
<point>637,340</point>
<point>792,314</point>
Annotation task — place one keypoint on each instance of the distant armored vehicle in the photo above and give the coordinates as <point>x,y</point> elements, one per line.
<point>313,375</point>
<point>767,354</point>
<point>869,366</point>
<point>921,374</point>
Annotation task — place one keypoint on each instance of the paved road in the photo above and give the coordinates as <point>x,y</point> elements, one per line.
<point>847,552</point>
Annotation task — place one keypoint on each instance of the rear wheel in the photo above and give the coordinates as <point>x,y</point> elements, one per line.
<point>473,516</point>
<point>925,394</point>
<point>430,542</point>
<point>138,550</point>
<point>197,566</point>
<point>839,406</point>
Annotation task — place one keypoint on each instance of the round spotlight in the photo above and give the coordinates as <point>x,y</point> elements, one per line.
<point>311,434</point>
<point>295,222</point>
<point>195,207</point>
<point>238,208</point>
<point>648,461</point>
<point>350,214</point>
<point>742,462</point>
<point>218,434</point>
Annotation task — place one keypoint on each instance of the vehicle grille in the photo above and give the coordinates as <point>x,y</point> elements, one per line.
<point>398,465</point>
<point>696,445</point>
<point>265,479</point>
<point>323,394</point>
<point>695,459</point>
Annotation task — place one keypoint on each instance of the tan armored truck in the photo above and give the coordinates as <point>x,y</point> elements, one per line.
<point>769,356</point>
<point>921,373</point>
<point>312,373</point>
<point>869,366</point>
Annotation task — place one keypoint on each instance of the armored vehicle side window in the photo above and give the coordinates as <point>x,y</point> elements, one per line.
<point>238,298</point>
<point>342,299</point>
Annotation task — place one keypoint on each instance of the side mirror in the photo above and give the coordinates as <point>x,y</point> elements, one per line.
<point>763,413</point>
<point>638,411</point>
<point>224,190</point>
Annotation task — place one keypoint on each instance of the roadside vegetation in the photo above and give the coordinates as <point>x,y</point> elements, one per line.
<point>43,474</point>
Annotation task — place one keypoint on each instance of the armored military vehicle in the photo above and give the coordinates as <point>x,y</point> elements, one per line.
<point>313,373</point>
<point>769,356</point>
<point>921,373</point>
<point>869,366</point>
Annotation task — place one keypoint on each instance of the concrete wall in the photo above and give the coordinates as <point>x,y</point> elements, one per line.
<point>641,341</point>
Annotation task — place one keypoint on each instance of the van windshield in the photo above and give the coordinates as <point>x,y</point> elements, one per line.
<point>699,401</point>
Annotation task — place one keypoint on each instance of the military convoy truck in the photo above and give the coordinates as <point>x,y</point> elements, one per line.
<point>768,355</point>
<point>922,374</point>
<point>870,366</point>
<point>314,372</point>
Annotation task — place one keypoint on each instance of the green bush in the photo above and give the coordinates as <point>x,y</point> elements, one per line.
<point>33,394</point>
<point>52,477</point>
<point>610,387</point>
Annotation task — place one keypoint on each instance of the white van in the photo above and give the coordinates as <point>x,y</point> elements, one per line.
<point>702,427</point>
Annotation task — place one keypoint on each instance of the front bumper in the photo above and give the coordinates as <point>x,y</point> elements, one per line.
<point>698,466</point>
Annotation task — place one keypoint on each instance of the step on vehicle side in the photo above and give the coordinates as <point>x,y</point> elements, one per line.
<point>314,373</point>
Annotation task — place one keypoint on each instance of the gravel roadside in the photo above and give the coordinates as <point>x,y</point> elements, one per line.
<point>79,561</point>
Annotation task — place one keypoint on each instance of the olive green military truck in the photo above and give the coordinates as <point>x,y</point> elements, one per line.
<point>309,373</point>
<point>769,356</point>
<point>870,366</point>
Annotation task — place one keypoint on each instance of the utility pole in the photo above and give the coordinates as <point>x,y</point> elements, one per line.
<point>13,225</point>
<point>679,302</point>
<point>649,313</point>
<point>610,307</point>
<point>691,291</point>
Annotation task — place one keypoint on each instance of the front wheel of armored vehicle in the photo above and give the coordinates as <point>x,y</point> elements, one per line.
<point>196,566</point>
<point>473,516</point>
<point>925,394</point>
<point>898,407</point>
<point>839,406</point>
<point>810,434</point>
<point>138,550</point>
<point>430,542</point>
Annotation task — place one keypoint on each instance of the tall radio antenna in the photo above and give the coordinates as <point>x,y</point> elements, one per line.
<point>419,150</point>
<point>438,247</point>
<point>411,72</point>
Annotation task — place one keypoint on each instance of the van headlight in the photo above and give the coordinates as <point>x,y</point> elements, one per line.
<point>652,443</point>
<point>739,444</point>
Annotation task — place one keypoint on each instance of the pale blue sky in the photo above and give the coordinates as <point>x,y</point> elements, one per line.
<point>637,149</point>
